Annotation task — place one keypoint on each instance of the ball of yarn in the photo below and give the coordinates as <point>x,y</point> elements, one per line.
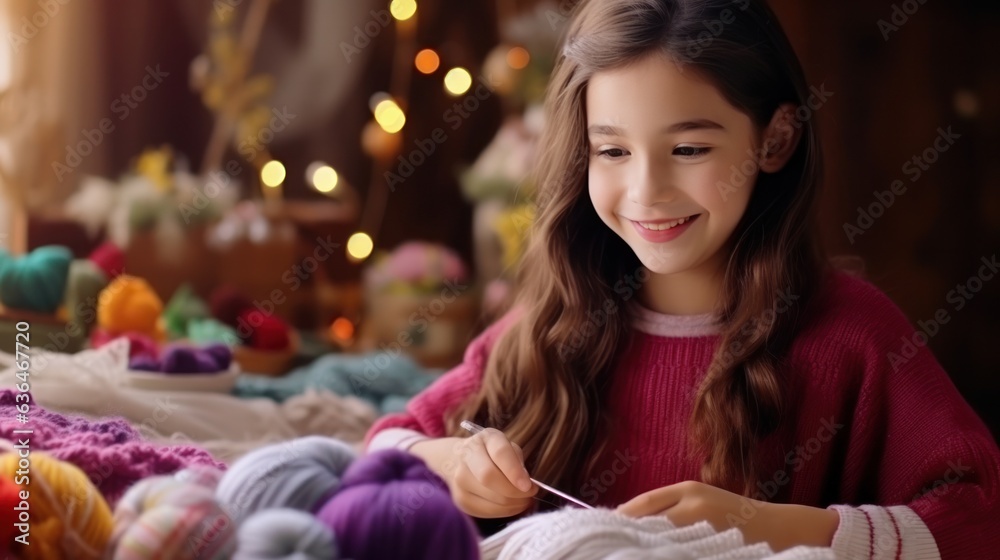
<point>203,475</point>
<point>69,517</point>
<point>109,258</point>
<point>223,355</point>
<point>138,344</point>
<point>283,533</point>
<point>36,281</point>
<point>263,332</point>
<point>183,307</point>
<point>10,497</point>
<point>227,303</point>
<point>129,304</point>
<point>162,517</point>
<point>390,501</point>
<point>204,331</point>
<point>299,474</point>
<point>144,362</point>
<point>83,288</point>
<point>183,359</point>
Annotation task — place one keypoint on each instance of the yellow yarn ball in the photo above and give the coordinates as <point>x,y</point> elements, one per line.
<point>68,516</point>
<point>129,304</point>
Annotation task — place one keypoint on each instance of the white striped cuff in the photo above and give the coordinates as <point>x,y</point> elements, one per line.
<point>395,438</point>
<point>876,532</point>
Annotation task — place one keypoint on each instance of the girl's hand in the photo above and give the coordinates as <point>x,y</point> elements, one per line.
<point>485,473</point>
<point>780,525</point>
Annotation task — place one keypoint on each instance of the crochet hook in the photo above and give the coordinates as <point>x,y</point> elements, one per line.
<point>476,428</point>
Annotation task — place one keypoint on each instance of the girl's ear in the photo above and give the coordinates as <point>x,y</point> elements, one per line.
<point>780,138</point>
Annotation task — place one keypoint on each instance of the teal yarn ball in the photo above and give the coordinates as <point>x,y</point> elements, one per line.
<point>36,281</point>
<point>210,331</point>
<point>284,534</point>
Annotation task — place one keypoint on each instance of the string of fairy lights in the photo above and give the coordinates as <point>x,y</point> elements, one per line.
<point>382,137</point>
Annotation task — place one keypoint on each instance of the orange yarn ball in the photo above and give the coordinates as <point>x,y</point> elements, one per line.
<point>129,304</point>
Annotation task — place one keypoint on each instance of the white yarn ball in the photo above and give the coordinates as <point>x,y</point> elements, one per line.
<point>284,534</point>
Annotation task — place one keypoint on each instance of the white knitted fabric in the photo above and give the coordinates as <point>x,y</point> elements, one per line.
<point>591,534</point>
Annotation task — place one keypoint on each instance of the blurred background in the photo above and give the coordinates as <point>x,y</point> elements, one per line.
<point>356,171</point>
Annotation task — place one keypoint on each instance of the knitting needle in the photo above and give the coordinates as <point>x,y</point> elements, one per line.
<point>476,428</point>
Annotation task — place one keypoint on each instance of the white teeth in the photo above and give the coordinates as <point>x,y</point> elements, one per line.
<point>664,225</point>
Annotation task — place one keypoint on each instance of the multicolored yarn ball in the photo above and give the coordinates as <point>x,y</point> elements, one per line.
<point>263,332</point>
<point>299,474</point>
<point>163,517</point>
<point>36,281</point>
<point>390,501</point>
<point>109,258</point>
<point>129,304</point>
<point>184,306</point>
<point>226,304</point>
<point>203,475</point>
<point>69,517</point>
<point>282,533</point>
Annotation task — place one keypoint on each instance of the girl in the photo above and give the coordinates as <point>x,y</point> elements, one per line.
<point>680,346</point>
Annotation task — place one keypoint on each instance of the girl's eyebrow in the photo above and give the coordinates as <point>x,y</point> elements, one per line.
<point>697,124</point>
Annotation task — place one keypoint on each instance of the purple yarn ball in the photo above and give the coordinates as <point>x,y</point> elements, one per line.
<point>144,362</point>
<point>183,359</point>
<point>388,502</point>
<point>222,355</point>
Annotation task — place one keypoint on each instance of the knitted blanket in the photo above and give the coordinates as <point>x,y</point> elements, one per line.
<point>592,534</point>
<point>111,452</point>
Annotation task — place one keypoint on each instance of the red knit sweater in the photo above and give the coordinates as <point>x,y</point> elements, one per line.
<point>869,423</point>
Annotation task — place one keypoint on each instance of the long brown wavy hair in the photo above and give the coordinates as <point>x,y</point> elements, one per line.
<point>541,386</point>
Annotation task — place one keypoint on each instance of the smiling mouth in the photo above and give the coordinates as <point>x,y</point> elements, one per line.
<point>665,225</point>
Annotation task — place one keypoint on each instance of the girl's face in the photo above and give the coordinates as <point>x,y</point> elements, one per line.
<point>672,163</point>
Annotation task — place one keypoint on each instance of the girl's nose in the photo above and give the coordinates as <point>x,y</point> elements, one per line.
<point>649,186</point>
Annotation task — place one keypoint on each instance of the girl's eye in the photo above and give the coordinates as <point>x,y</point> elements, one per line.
<point>691,151</point>
<point>612,153</point>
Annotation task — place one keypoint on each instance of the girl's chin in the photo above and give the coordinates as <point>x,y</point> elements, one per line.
<point>661,264</point>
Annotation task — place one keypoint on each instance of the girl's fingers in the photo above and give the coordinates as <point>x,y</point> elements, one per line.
<point>520,453</point>
<point>652,502</point>
<point>489,453</point>
<point>467,481</point>
<point>508,459</point>
<point>477,506</point>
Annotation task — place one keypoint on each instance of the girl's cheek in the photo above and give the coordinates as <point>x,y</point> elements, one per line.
<point>603,197</point>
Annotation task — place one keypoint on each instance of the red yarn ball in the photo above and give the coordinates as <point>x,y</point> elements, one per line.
<point>139,344</point>
<point>109,258</point>
<point>9,498</point>
<point>266,332</point>
<point>227,303</point>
